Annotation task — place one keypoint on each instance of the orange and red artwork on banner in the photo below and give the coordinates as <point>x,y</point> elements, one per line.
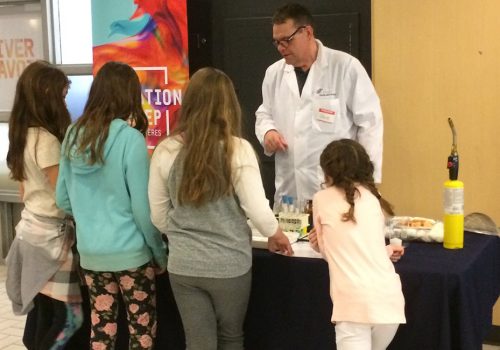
<point>151,36</point>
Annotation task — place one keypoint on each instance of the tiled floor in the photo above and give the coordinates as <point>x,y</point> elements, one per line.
<point>491,347</point>
<point>11,326</point>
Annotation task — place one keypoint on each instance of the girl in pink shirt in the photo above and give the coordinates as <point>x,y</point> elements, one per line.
<point>368,304</point>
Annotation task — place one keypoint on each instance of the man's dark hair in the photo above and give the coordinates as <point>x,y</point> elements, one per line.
<point>296,12</point>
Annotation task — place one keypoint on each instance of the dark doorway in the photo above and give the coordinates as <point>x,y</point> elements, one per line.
<point>238,41</point>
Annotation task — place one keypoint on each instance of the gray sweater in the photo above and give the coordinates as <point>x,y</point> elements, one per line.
<point>28,270</point>
<point>213,240</point>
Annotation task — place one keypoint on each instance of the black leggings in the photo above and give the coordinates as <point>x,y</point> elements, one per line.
<point>55,321</point>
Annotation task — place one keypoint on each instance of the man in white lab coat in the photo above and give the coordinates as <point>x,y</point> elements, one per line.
<point>312,96</point>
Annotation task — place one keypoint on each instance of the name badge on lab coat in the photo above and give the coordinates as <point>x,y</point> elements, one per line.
<point>326,115</point>
<point>326,110</point>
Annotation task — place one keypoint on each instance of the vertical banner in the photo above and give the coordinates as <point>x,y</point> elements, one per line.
<point>20,44</point>
<point>151,36</point>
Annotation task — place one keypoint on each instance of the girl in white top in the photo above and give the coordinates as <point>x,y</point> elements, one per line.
<point>368,304</point>
<point>42,269</point>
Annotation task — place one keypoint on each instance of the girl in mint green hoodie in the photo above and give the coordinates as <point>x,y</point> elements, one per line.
<point>102,182</point>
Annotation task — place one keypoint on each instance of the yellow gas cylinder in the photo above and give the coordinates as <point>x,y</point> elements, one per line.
<point>453,221</point>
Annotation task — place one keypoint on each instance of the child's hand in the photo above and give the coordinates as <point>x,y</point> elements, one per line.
<point>397,253</point>
<point>313,239</point>
<point>279,243</point>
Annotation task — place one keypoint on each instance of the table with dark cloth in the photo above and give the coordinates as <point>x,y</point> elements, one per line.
<point>449,294</point>
<point>449,298</point>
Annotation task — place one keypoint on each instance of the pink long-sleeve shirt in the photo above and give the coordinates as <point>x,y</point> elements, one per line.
<point>364,286</point>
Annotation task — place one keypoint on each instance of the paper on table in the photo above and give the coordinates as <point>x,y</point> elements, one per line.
<point>304,250</point>
<point>259,241</point>
<point>300,249</point>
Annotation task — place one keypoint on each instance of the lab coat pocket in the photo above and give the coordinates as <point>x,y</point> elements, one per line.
<point>326,110</point>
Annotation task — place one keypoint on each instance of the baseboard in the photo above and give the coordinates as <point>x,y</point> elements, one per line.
<point>493,337</point>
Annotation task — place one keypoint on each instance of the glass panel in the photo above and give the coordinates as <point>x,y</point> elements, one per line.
<point>78,94</point>
<point>4,144</point>
<point>75,31</point>
<point>8,187</point>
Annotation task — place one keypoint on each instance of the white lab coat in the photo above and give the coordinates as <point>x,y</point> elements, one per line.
<point>338,101</point>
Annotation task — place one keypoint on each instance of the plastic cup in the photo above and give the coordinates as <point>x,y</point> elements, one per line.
<point>397,242</point>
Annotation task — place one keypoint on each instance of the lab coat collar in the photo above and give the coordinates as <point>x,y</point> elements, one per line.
<point>291,79</point>
<point>321,58</point>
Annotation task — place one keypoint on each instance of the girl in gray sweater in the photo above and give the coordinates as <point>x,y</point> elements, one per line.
<point>204,183</point>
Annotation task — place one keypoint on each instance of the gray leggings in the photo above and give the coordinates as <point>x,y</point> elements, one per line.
<point>212,310</point>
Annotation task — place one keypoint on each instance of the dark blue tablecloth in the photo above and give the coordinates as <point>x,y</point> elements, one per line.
<point>449,298</point>
<point>290,305</point>
<point>449,294</point>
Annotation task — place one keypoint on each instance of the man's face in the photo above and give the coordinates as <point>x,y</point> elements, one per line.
<point>292,41</point>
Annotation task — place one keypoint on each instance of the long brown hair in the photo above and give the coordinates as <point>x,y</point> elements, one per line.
<point>347,165</point>
<point>209,117</point>
<point>38,102</point>
<point>115,94</point>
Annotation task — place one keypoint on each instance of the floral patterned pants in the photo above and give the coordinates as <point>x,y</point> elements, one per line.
<point>137,288</point>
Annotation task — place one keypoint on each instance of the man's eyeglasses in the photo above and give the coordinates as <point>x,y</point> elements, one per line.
<point>286,41</point>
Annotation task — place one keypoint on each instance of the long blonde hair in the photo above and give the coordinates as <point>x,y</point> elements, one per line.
<point>209,118</point>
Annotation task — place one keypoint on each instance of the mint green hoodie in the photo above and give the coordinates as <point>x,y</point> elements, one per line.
<point>110,203</point>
